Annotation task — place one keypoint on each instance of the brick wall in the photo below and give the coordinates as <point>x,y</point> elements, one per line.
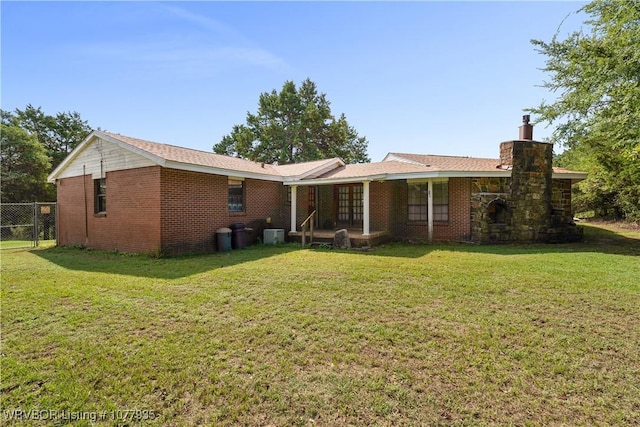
<point>71,210</point>
<point>264,199</point>
<point>131,222</point>
<point>388,210</point>
<point>153,210</point>
<point>458,227</point>
<point>380,202</point>
<point>195,205</point>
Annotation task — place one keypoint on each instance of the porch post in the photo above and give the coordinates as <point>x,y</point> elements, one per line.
<point>365,204</point>
<point>430,209</point>
<point>294,203</point>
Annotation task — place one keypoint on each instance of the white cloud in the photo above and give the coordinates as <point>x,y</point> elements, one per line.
<point>209,24</point>
<point>179,51</point>
<point>179,58</point>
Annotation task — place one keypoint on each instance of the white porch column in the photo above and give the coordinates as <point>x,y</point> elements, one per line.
<point>430,209</point>
<point>365,205</point>
<point>294,205</point>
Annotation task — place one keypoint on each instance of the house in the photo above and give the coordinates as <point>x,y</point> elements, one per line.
<point>126,194</point>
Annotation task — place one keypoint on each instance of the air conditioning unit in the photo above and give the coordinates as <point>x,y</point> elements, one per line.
<point>271,236</point>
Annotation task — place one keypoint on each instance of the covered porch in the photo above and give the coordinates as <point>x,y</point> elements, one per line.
<point>370,207</point>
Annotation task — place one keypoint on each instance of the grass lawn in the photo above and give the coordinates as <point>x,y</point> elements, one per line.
<point>14,244</point>
<point>401,335</point>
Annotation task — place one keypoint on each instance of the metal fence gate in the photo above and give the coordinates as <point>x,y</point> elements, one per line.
<point>27,224</point>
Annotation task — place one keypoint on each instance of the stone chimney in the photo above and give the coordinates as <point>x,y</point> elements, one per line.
<point>530,165</point>
<point>523,208</point>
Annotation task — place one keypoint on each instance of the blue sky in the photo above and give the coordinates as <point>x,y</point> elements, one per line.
<point>422,77</point>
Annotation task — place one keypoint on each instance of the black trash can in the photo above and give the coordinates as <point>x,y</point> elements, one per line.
<point>223,239</point>
<point>238,235</point>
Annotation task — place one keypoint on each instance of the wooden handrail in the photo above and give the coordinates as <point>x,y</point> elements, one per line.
<point>304,228</point>
<point>308,218</point>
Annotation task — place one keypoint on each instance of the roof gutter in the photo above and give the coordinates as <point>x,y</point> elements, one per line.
<point>575,176</point>
<point>329,181</point>
<point>219,171</point>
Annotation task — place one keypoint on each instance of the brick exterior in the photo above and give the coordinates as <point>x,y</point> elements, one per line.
<point>71,211</point>
<point>157,210</point>
<point>195,205</point>
<point>455,229</point>
<point>388,211</point>
<point>380,203</point>
<point>131,222</point>
<point>169,211</point>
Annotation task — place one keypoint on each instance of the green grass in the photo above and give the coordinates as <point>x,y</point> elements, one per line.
<point>15,244</point>
<point>401,335</point>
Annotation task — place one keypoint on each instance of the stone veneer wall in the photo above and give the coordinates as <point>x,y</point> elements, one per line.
<point>563,229</point>
<point>483,192</point>
<point>526,196</point>
<point>537,208</point>
<point>530,189</point>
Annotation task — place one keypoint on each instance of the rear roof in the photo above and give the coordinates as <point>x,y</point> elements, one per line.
<point>195,157</point>
<point>393,166</point>
<point>447,163</point>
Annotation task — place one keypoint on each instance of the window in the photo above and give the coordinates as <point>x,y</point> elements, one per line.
<point>441,201</point>
<point>100,195</point>
<point>418,201</point>
<point>236,195</point>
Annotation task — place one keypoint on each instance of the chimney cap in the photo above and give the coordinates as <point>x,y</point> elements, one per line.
<point>526,129</point>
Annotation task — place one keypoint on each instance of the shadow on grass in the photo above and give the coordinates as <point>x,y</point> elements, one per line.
<point>596,239</point>
<point>161,268</point>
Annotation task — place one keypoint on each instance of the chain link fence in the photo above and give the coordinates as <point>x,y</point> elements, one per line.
<point>27,224</point>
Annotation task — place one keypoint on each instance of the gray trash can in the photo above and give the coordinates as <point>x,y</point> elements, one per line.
<point>223,239</point>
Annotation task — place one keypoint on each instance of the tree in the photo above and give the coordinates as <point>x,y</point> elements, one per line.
<point>291,126</point>
<point>597,73</point>
<point>25,166</point>
<point>59,134</point>
<point>55,136</point>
